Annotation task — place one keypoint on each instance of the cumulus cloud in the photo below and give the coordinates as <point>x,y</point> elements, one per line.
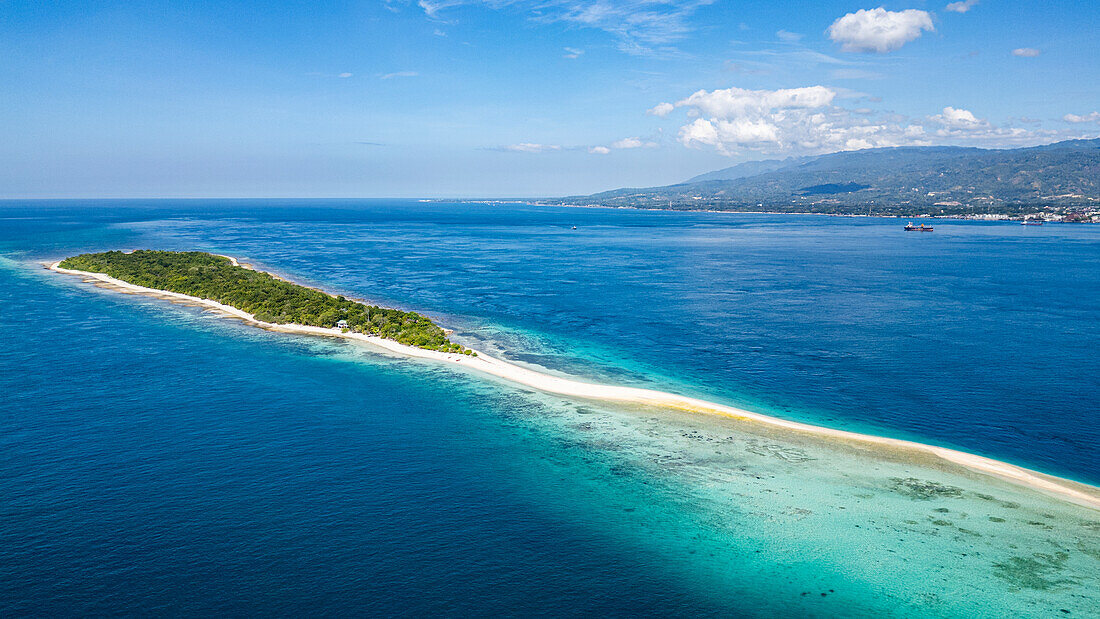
<point>599,150</point>
<point>879,30</point>
<point>789,37</point>
<point>1091,117</point>
<point>1026,52</point>
<point>957,118</point>
<point>959,125</point>
<point>810,120</point>
<point>732,102</point>
<point>661,109</point>
<point>961,7</point>
<point>734,120</point>
<point>639,26</point>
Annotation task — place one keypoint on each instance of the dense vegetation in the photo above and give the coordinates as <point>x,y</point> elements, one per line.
<point>909,181</point>
<point>207,276</point>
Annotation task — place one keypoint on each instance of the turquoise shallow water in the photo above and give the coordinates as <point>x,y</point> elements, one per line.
<point>157,459</point>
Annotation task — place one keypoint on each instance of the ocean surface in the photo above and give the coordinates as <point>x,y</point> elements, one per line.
<point>156,459</point>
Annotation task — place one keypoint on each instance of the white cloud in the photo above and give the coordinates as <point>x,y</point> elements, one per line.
<point>1026,52</point>
<point>739,101</point>
<point>1091,117</point>
<point>639,26</point>
<point>958,118</point>
<point>735,120</point>
<point>634,142</point>
<point>599,149</point>
<point>344,75</point>
<point>809,120</point>
<point>740,132</point>
<point>961,7</point>
<point>789,37</point>
<point>572,53</point>
<point>879,30</point>
<point>529,147</point>
<point>623,144</point>
<point>431,9</point>
<point>955,125</point>
<point>661,109</point>
<point>390,76</point>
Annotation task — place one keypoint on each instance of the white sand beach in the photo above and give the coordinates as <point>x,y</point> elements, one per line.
<point>1075,492</point>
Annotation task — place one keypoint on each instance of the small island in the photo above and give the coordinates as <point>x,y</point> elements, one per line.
<point>267,298</point>
<point>279,305</point>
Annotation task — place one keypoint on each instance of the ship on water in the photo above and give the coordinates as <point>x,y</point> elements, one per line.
<point>921,228</point>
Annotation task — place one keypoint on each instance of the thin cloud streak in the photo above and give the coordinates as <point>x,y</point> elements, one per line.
<point>640,27</point>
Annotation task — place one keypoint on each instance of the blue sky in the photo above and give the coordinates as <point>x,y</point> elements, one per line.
<point>497,98</point>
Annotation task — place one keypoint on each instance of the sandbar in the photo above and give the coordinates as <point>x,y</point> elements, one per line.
<point>1072,491</point>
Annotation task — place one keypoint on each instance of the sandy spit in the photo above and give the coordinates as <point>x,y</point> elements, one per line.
<point>1081,494</point>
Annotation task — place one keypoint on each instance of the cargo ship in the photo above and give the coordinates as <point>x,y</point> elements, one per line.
<point>920,228</point>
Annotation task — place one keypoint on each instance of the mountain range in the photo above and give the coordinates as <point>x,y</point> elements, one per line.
<point>936,180</point>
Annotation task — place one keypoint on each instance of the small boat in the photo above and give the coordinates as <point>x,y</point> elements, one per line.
<point>1031,222</point>
<point>574,227</point>
<point>921,228</point>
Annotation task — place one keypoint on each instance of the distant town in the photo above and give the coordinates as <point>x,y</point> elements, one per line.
<point>1066,213</point>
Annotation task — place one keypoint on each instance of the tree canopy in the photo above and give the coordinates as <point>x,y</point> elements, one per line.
<point>268,298</point>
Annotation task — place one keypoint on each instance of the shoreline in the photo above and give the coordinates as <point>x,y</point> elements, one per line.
<point>966,217</point>
<point>1069,490</point>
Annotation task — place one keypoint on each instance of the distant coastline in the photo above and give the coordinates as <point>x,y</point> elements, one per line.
<point>1052,182</point>
<point>1036,214</point>
<point>1074,492</point>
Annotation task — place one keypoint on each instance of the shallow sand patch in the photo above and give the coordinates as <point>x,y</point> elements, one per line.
<point>1075,492</point>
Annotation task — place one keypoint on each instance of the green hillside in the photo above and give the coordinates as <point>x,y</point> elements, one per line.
<point>902,181</point>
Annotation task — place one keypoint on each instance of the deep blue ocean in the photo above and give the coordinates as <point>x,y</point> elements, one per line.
<point>158,460</point>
